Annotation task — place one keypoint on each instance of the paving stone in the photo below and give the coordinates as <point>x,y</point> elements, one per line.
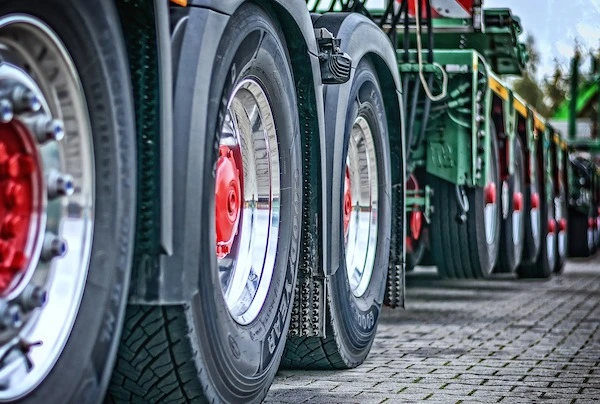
<point>496,340</point>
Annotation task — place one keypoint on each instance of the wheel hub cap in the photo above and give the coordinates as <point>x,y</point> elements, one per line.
<point>490,193</point>
<point>227,201</point>
<point>551,226</point>
<point>535,201</point>
<point>20,207</point>
<point>347,201</point>
<point>518,201</point>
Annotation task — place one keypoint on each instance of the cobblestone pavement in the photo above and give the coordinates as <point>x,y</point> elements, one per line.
<point>499,340</point>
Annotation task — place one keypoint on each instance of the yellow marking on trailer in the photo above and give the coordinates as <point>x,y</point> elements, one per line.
<point>520,107</point>
<point>538,123</point>
<point>498,88</point>
<point>556,139</point>
<point>182,3</point>
<point>564,146</point>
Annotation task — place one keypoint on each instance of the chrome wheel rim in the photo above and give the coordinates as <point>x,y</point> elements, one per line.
<point>517,213</point>
<point>550,235</point>
<point>54,118</point>
<point>246,267</point>
<point>560,218</point>
<point>491,207</point>
<point>360,233</point>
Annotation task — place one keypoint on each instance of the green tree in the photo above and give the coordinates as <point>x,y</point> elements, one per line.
<point>556,87</point>
<point>528,86</point>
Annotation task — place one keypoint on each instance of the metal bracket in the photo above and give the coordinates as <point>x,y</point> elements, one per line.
<point>420,198</point>
<point>335,64</point>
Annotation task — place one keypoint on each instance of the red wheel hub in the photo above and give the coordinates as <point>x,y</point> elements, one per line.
<point>347,200</point>
<point>416,217</point>
<point>562,224</point>
<point>535,201</point>
<point>551,226</point>
<point>19,177</point>
<point>490,193</point>
<point>228,201</point>
<point>518,201</point>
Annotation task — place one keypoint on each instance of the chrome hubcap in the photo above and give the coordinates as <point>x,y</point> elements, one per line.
<point>491,208</point>
<point>247,246</point>
<point>52,211</point>
<point>361,231</point>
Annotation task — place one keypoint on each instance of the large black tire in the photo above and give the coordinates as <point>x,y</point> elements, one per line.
<point>513,225</point>
<point>91,35</point>
<point>581,236</point>
<point>352,320</point>
<point>546,260</point>
<point>461,250</point>
<point>196,351</point>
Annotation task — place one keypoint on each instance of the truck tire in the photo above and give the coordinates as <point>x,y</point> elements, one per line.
<point>560,209</point>
<point>357,288</point>
<point>581,232</point>
<point>532,219</point>
<point>513,225</point>
<point>67,217</point>
<point>470,249</point>
<point>546,261</point>
<point>225,344</point>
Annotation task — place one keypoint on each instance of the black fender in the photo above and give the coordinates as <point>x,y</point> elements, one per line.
<point>194,45</point>
<point>360,38</point>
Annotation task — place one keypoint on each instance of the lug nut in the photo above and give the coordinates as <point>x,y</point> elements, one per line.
<point>53,247</point>
<point>10,315</point>
<point>6,111</point>
<point>59,185</point>
<point>47,129</point>
<point>25,100</point>
<point>32,297</point>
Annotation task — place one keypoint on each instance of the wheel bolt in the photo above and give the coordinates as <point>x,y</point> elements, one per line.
<point>59,185</point>
<point>10,315</point>
<point>32,297</point>
<point>47,129</point>
<point>53,247</point>
<point>6,111</point>
<point>25,100</point>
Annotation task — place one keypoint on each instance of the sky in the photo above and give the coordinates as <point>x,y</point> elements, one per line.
<point>556,25</point>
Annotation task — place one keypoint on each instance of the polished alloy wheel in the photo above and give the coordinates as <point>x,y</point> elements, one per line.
<point>247,197</point>
<point>46,201</point>
<point>491,207</point>
<point>517,213</point>
<point>561,223</point>
<point>360,207</point>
